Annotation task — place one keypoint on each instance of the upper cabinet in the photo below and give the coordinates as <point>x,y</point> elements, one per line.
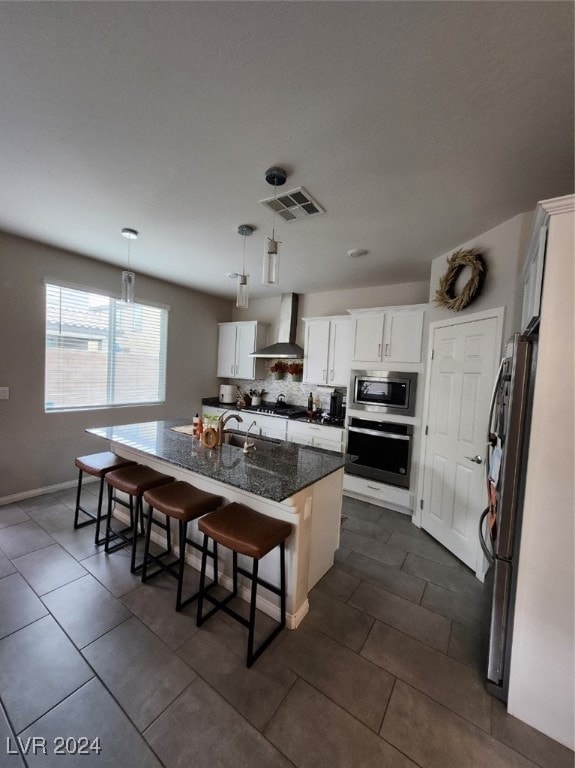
<point>390,335</point>
<point>327,350</point>
<point>236,343</point>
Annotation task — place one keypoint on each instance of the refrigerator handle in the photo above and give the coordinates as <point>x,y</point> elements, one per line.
<point>494,396</point>
<point>486,551</point>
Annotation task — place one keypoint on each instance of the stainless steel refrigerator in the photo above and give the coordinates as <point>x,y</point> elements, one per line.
<point>500,525</point>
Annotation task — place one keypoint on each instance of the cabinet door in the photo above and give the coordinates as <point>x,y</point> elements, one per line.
<point>315,365</point>
<point>368,337</point>
<point>402,337</point>
<point>339,352</point>
<point>245,345</point>
<point>227,350</point>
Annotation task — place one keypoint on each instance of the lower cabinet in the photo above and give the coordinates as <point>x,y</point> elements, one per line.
<point>399,499</point>
<point>316,435</point>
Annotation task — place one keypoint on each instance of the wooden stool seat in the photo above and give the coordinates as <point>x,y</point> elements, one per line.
<point>97,465</point>
<point>134,481</point>
<point>183,502</point>
<point>245,532</point>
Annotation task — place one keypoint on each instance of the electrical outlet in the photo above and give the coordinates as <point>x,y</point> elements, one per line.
<point>4,393</point>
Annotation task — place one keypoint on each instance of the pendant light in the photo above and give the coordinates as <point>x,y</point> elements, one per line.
<point>242,289</point>
<point>270,272</point>
<point>128,278</point>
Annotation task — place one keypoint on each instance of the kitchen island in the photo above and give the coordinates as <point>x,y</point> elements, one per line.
<point>290,482</point>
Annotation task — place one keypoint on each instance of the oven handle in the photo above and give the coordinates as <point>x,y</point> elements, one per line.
<point>393,435</point>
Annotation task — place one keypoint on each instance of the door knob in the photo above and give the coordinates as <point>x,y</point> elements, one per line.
<point>476,459</point>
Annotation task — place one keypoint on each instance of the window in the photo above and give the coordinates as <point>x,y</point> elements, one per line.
<point>101,352</point>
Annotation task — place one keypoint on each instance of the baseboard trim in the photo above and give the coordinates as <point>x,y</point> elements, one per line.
<point>15,497</point>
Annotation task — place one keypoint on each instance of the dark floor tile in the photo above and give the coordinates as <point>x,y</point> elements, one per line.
<point>441,738</point>
<point>467,610</point>
<point>113,570</point>
<point>49,568</point>
<point>340,555</point>
<point>379,531</point>
<point>11,757</point>
<point>381,575</point>
<point>91,712</point>
<point>32,682</point>
<point>469,646</point>
<point>53,517</point>
<point>338,620</point>
<point>447,681</point>
<point>456,579</point>
<point>201,729</point>
<point>312,731</point>
<point>338,583</point>
<point>362,510</point>
<point>154,604</point>
<point>34,502</point>
<point>427,626</point>
<point>140,671</point>
<point>79,543</point>
<point>6,565</point>
<point>85,609</point>
<point>424,546</point>
<point>218,653</point>
<point>16,540</point>
<point>357,685</point>
<point>10,514</point>
<point>364,545</point>
<point>526,740</point>
<point>19,605</point>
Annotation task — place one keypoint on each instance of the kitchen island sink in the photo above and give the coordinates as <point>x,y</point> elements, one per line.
<point>287,481</point>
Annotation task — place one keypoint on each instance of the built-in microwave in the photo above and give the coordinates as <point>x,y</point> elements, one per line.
<point>390,392</point>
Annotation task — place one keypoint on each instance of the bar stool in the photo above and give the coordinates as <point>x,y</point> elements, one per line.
<point>245,532</point>
<point>183,502</point>
<point>134,481</point>
<point>97,465</point>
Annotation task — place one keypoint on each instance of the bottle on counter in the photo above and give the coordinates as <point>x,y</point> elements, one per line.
<point>195,422</point>
<point>200,428</point>
<point>310,406</point>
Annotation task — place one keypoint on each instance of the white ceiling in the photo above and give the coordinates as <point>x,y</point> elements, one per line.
<point>415,125</point>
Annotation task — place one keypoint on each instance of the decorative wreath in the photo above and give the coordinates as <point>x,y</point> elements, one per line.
<point>456,263</point>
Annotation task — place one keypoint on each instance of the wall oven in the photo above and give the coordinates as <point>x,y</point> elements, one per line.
<point>390,392</point>
<point>383,450</point>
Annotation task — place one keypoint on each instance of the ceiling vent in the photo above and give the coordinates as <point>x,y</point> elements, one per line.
<point>297,204</point>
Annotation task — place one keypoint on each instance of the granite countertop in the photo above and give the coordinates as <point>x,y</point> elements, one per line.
<point>276,473</point>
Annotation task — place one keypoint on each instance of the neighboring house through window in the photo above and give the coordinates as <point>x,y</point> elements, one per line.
<point>101,352</point>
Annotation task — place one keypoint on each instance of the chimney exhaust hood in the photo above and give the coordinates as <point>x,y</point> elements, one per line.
<point>285,347</point>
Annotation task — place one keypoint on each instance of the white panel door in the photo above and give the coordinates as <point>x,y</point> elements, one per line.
<point>463,368</point>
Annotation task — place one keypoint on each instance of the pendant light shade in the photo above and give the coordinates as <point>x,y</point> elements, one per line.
<point>242,287</point>
<point>270,272</point>
<point>128,277</point>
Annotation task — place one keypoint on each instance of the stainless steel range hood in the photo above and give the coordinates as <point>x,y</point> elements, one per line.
<point>285,347</point>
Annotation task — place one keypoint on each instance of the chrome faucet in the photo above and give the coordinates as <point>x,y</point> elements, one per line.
<point>223,420</point>
<point>247,444</point>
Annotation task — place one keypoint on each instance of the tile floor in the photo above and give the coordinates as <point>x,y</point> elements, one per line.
<point>385,671</point>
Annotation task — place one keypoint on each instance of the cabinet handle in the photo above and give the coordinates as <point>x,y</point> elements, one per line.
<point>331,375</point>
<point>379,350</point>
<point>374,487</point>
<point>232,370</point>
<point>237,368</point>
<point>387,350</point>
<point>324,376</point>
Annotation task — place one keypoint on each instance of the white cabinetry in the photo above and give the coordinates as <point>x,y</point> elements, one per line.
<point>399,499</point>
<point>317,435</point>
<point>391,335</point>
<point>266,426</point>
<point>236,343</point>
<point>327,350</point>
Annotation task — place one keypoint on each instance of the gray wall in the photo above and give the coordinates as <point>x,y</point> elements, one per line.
<point>503,248</point>
<point>37,449</point>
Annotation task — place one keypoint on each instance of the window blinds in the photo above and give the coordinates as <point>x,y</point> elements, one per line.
<point>101,352</point>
